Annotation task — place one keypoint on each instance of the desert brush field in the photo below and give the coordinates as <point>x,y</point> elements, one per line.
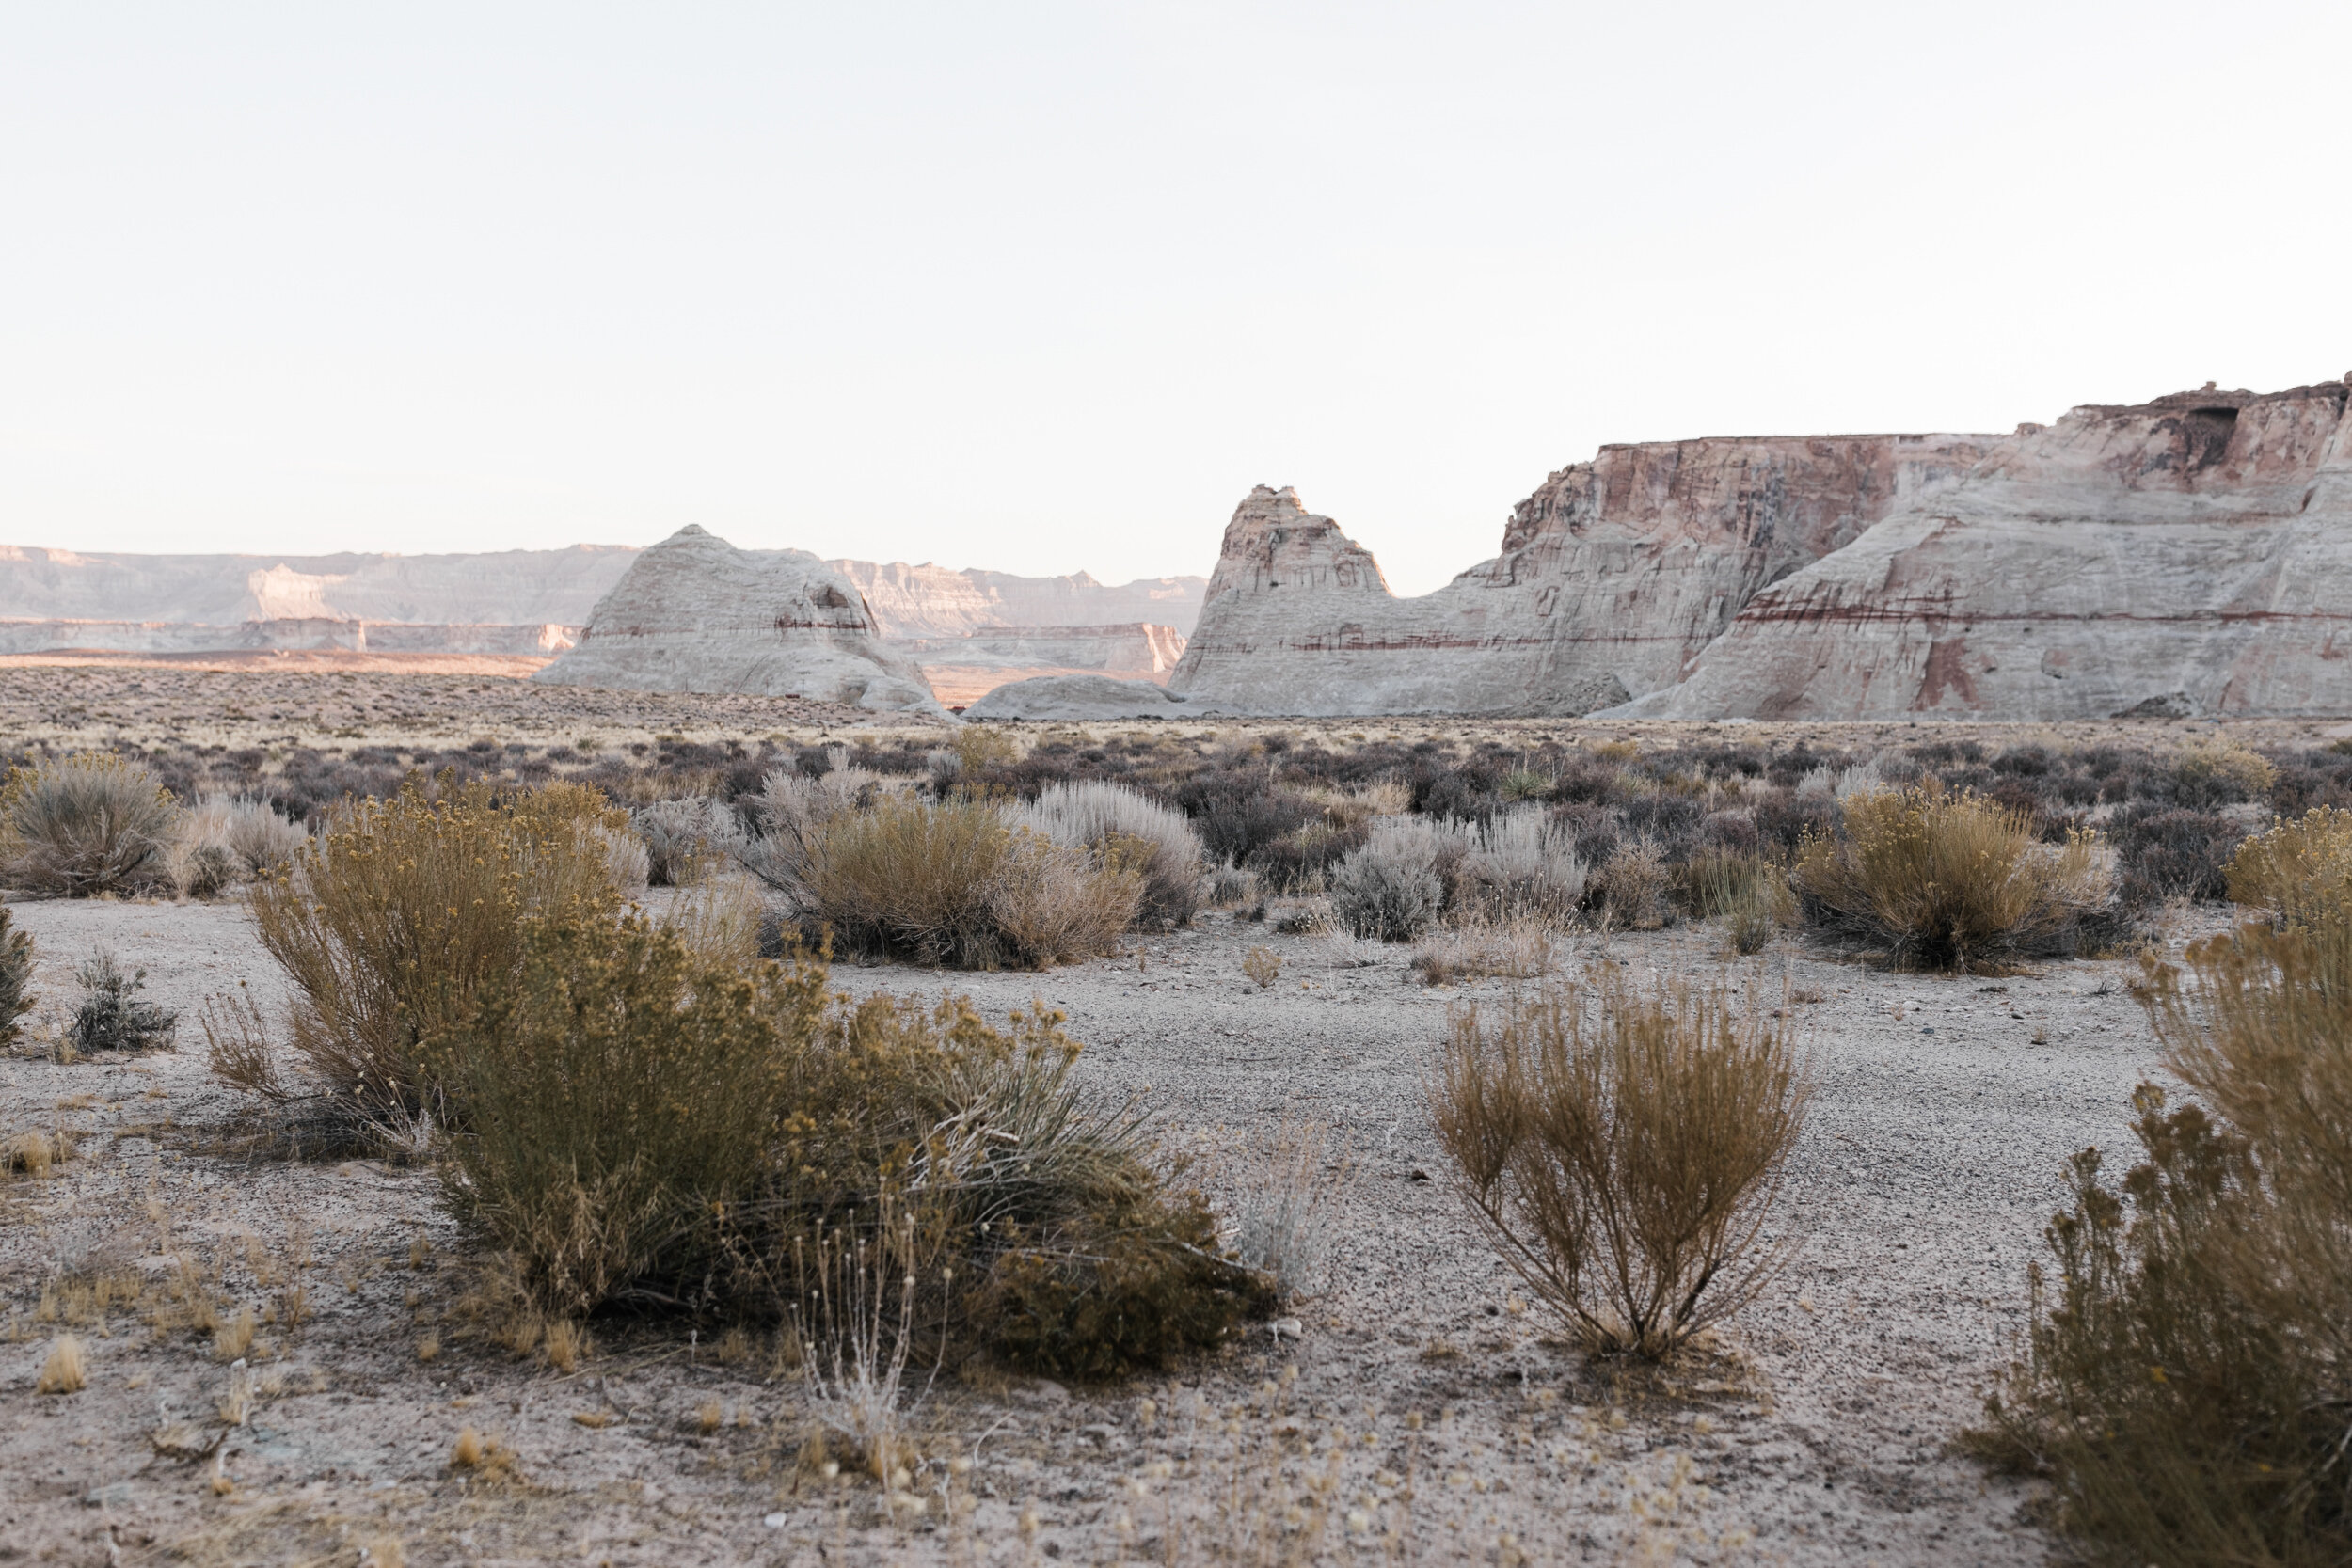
<point>448,1120</point>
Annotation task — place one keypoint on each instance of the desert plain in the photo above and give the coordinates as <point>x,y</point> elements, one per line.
<point>1413,1406</point>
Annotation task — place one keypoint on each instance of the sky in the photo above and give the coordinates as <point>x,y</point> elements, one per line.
<point>1048,287</point>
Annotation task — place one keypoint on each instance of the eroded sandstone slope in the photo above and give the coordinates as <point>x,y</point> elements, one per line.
<point>695,614</point>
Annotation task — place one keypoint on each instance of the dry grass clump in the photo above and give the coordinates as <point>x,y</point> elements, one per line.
<point>1953,881</point>
<point>1746,892</point>
<point>1148,837</point>
<point>1522,864</point>
<point>228,839</point>
<point>645,1127</point>
<point>1634,885</point>
<point>682,838</point>
<point>111,1017</point>
<point>1517,947</point>
<point>388,926</point>
<point>2188,1384</point>
<point>950,882</point>
<point>1623,1147</point>
<point>2298,871</point>
<point>64,1370</point>
<point>86,824</point>
<point>719,917</point>
<point>16,978</point>
<point>1283,1214</point>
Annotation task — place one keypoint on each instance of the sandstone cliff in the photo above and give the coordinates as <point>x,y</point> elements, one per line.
<point>2191,554</point>
<point>694,613</point>
<point>1611,576</point>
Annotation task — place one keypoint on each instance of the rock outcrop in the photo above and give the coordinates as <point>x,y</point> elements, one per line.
<point>287,632</point>
<point>694,613</point>
<point>2191,554</point>
<point>1611,575</point>
<point>1085,697</point>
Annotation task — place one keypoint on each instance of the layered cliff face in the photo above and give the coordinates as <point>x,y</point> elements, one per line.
<point>694,613</point>
<point>1612,574</point>
<point>2191,554</point>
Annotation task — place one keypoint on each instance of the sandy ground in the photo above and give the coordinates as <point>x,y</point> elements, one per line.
<point>1420,1414</point>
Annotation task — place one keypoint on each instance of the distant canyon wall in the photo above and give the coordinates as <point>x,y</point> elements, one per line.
<point>2183,556</point>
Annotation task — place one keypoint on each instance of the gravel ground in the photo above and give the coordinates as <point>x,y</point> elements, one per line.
<point>1419,1414</point>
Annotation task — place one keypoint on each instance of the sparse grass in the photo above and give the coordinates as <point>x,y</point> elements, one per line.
<point>1746,892</point>
<point>1518,947</point>
<point>1953,881</point>
<point>86,824</point>
<point>1623,1147</point>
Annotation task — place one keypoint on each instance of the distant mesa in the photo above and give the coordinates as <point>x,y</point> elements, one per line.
<point>695,614</point>
<point>2192,555</point>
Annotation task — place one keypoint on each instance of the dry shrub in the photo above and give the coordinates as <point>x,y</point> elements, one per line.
<point>950,882</point>
<point>224,840</point>
<point>649,1128</point>
<point>1158,841</point>
<point>718,918</point>
<point>111,1016</point>
<point>1623,1147</point>
<point>1285,1223</point>
<point>1391,888</point>
<point>1953,882</point>
<point>1053,904</point>
<point>86,824</point>
<point>1748,893</point>
<point>2220,773</point>
<point>388,928</point>
<point>1262,966</point>
<point>16,978</point>
<point>1517,947</point>
<point>2298,871</point>
<point>2189,1386</point>
<point>1633,885</point>
<point>1523,864</point>
<point>683,837</point>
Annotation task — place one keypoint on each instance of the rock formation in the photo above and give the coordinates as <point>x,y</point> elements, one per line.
<point>1085,697</point>
<point>930,601</point>
<point>694,613</point>
<point>1611,575</point>
<point>2191,554</point>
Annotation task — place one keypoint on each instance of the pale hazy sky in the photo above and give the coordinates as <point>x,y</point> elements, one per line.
<point>1048,287</point>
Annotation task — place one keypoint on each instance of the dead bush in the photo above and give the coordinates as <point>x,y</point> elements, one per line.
<point>1633,884</point>
<point>1953,882</point>
<point>86,824</point>
<point>683,837</point>
<point>1390,889</point>
<point>2187,1381</point>
<point>1517,947</point>
<point>1623,1149</point>
<point>389,925</point>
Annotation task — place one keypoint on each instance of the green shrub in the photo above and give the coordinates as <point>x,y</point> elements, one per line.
<point>86,824</point>
<point>16,977</point>
<point>388,926</point>
<point>2187,1382</point>
<point>1953,881</point>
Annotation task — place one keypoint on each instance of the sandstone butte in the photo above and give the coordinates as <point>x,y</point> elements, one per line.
<point>2191,554</point>
<point>695,614</point>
